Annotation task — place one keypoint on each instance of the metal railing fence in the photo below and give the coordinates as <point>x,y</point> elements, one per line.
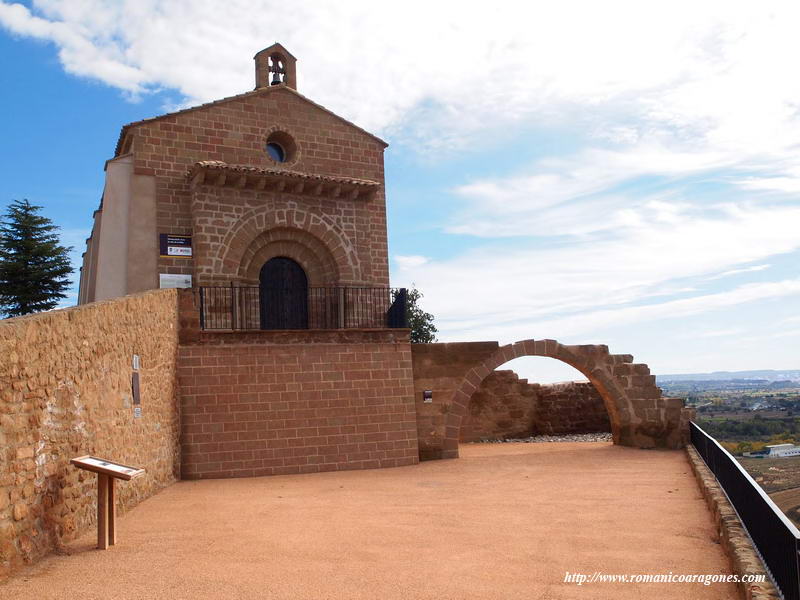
<point>335,307</point>
<point>775,537</point>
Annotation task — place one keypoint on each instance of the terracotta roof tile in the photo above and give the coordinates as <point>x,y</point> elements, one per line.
<point>217,165</point>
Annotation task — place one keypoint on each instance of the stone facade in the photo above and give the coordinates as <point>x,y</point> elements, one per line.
<point>273,406</point>
<point>506,406</point>
<point>65,391</point>
<point>205,172</point>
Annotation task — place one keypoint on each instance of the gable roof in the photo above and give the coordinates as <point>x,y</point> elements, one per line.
<point>255,92</point>
<point>275,47</point>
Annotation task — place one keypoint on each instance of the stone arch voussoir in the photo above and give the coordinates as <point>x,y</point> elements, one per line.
<point>322,237</point>
<point>638,414</point>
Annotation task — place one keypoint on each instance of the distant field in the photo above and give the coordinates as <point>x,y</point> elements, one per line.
<point>780,478</point>
<point>789,502</point>
<point>774,474</point>
<point>746,415</point>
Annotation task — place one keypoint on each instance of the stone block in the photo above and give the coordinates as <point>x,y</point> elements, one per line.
<point>20,511</point>
<point>26,452</point>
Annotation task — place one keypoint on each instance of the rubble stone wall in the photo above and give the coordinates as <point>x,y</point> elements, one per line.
<point>570,407</point>
<point>506,406</point>
<point>65,391</point>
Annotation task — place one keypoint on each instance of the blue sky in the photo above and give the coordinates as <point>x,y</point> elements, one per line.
<point>619,172</point>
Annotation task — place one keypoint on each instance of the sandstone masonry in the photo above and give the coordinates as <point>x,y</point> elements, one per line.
<point>65,390</point>
<point>506,406</point>
<point>274,408</point>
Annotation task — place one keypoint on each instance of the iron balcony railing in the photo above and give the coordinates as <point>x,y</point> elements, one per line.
<point>337,307</point>
<point>775,537</point>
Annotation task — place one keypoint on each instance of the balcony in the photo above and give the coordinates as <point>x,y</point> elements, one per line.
<point>253,308</point>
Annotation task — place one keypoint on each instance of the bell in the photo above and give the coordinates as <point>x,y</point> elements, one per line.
<point>276,79</point>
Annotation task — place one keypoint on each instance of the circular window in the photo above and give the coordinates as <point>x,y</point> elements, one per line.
<point>275,152</point>
<point>280,147</point>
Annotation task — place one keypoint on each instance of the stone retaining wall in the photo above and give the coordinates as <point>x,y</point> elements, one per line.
<point>65,391</point>
<point>272,405</point>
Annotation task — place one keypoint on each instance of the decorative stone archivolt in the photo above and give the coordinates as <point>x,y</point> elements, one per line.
<point>639,416</point>
<point>315,242</point>
<point>302,247</point>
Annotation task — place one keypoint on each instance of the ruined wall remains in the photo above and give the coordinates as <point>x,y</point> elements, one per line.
<point>296,402</point>
<point>570,407</point>
<point>506,406</point>
<point>639,415</point>
<point>503,407</point>
<point>65,391</point>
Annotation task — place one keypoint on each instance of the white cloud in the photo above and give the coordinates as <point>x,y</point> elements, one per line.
<point>752,269</point>
<point>667,91</point>
<point>409,262</point>
<point>625,265</point>
<point>716,74</point>
<point>585,324</point>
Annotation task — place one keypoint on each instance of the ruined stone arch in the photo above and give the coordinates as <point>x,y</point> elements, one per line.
<point>305,236</point>
<point>639,416</point>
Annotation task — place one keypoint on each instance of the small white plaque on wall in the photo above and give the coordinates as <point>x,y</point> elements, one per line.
<point>169,280</point>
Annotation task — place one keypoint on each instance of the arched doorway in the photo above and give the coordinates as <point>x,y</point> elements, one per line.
<point>283,297</point>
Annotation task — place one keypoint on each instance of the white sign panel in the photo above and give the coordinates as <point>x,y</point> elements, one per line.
<point>168,280</point>
<point>179,251</point>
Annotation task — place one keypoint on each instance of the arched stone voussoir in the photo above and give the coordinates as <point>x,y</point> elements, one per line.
<point>596,363</point>
<point>256,223</point>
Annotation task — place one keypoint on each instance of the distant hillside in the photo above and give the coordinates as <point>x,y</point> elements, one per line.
<point>764,375</point>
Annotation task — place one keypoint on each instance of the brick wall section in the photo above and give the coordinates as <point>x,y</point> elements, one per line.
<point>441,369</point>
<point>272,408</point>
<point>65,391</point>
<point>234,131</point>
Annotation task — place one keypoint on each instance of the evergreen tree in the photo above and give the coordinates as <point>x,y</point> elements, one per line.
<point>33,265</point>
<point>421,323</point>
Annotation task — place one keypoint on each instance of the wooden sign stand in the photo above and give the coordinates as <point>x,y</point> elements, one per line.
<point>107,471</point>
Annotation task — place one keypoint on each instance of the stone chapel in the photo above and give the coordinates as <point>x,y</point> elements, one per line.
<point>265,192</point>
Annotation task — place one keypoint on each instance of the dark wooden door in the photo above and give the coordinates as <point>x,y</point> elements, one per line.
<point>284,295</point>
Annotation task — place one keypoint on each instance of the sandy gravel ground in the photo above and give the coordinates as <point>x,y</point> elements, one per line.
<point>504,521</point>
